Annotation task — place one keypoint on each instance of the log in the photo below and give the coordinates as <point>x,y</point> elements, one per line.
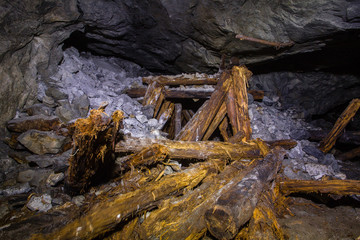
<point>182,218</point>
<point>183,79</point>
<point>178,110</point>
<point>349,155</point>
<point>154,96</point>
<point>184,93</point>
<point>91,160</point>
<point>348,137</point>
<point>237,102</point>
<point>105,216</point>
<point>166,115</point>
<point>195,129</point>
<point>340,125</point>
<point>284,143</point>
<point>339,187</point>
<point>223,129</point>
<point>236,205</point>
<point>216,122</point>
<point>202,150</point>
<point>38,122</point>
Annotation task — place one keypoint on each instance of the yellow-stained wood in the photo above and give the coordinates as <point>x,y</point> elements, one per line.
<point>216,122</point>
<point>183,79</point>
<point>340,187</point>
<point>201,150</point>
<point>154,96</point>
<point>196,128</point>
<point>166,115</point>
<point>237,101</point>
<point>340,125</point>
<point>105,216</point>
<point>223,129</point>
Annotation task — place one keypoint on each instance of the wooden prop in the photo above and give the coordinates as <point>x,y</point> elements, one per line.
<point>154,96</point>
<point>237,102</point>
<point>178,110</point>
<point>223,129</point>
<point>195,129</point>
<point>340,187</point>
<point>166,114</point>
<point>91,160</point>
<point>202,150</point>
<point>236,205</point>
<point>277,45</point>
<point>105,216</point>
<point>339,126</point>
<point>216,122</point>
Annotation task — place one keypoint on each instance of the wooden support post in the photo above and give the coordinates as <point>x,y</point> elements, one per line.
<point>178,109</point>
<point>339,126</point>
<point>154,96</point>
<point>223,129</point>
<point>237,102</point>
<point>339,187</point>
<point>195,129</point>
<point>236,205</point>
<point>216,122</point>
<point>166,115</point>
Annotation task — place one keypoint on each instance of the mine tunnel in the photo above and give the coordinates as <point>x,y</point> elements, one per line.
<point>161,119</point>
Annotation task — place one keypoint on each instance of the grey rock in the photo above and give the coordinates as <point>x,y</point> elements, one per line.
<point>42,161</point>
<point>56,94</point>
<point>81,104</point>
<point>38,109</point>
<point>4,209</point>
<point>317,171</point>
<point>141,118</point>
<point>41,142</point>
<point>250,99</point>
<point>314,151</point>
<point>25,176</point>
<point>153,123</point>
<point>7,164</point>
<point>330,160</point>
<point>296,152</point>
<point>299,134</point>
<point>55,178</point>
<point>17,189</point>
<point>41,203</point>
<point>49,101</point>
<point>39,178</point>
<point>65,112</point>
<point>148,111</point>
<point>57,201</point>
<point>78,200</point>
<point>267,101</point>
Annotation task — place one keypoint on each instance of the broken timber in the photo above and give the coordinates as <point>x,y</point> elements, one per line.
<point>340,125</point>
<point>201,150</point>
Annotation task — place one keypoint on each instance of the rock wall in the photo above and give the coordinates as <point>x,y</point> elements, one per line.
<point>31,33</point>
<point>159,35</point>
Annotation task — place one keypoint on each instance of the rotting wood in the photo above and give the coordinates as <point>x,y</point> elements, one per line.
<point>216,122</point>
<point>223,129</point>
<point>195,129</point>
<point>185,93</point>
<point>237,102</point>
<point>340,125</point>
<point>201,150</point>
<point>38,122</point>
<point>182,218</point>
<point>154,96</point>
<point>93,139</point>
<point>184,79</point>
<point>284,143</point>
<point>178,110</point>
<point>166,115</point>
<point>353,153</point>
<point>236,205</point>
<point>105,216</point>
<point>277,45</point>
<point>187,115</point>
<point>339,187</point>
<point>348,137</point>
<point>263,224</point>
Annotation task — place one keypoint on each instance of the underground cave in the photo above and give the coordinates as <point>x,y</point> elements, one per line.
<point>165,119</point>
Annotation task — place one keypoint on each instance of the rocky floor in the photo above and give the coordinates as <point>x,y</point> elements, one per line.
<point>32,169</point>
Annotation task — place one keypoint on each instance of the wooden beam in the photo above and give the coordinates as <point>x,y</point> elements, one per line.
<point>340,125</point>
<point>223,129</point>
<point>184,79</point>
<point>178,110</point>
<point>216,122</point>
<point>339,187</point>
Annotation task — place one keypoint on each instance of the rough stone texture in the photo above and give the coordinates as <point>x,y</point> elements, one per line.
<point>38,122</point>
<point>31,33</point>
<point>41,203</point>
<point>41,142</point>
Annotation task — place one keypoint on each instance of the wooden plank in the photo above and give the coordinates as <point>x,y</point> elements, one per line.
<point>340,125</point>
<point>178,109</point>
<point>223,129</point>
<point>184,79</point>
<point>154,96</point>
